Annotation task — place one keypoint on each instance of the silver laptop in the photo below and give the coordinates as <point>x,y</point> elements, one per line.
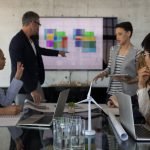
<point>38,120</point>
<point>139,132</point>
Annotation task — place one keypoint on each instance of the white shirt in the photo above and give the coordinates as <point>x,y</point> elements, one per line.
<point>33,46</point>
<point>144,101</point>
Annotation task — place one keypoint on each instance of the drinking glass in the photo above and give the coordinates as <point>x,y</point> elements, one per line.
<point>77,133</point>
<point>62,133</point>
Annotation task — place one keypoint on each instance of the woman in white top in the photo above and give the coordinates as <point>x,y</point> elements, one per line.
<point>144,80</point>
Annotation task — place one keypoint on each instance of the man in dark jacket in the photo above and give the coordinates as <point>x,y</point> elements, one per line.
<point>24,48</point>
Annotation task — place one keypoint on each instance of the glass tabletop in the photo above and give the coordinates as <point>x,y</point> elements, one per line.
<point>105,138</point>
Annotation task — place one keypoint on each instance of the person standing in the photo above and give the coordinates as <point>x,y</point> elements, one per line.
<point>24,48</point>
<point>122,60</point>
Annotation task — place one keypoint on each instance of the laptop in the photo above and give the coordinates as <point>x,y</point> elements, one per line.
<point>139,132</point>
<point>43,120</point>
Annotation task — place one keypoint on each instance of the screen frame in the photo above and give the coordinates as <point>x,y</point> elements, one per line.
<point>104,56</point>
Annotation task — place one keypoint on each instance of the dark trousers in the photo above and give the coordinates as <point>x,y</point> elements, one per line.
<point>31,140</point>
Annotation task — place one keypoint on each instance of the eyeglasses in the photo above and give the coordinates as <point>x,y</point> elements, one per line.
<point>145,53</point>
<point>37,23</point>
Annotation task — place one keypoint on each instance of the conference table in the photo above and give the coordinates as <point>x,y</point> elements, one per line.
<point>105,138</point>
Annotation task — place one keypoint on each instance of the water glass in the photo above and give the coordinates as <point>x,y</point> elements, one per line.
<point>61,133</point>
<point>77,133</point>
<point>69,133</point>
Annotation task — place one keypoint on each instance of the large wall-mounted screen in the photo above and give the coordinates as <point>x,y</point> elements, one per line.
<point>80,38</point>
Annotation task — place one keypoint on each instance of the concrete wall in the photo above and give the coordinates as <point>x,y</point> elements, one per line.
<point>136,11</point>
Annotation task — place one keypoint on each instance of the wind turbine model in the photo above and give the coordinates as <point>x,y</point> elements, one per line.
<point>89,99</point>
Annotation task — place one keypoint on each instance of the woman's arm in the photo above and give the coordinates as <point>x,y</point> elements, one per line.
<point>143,96</point>
<point>131,80</point>
<point>10,110</point>
<point>14,87</point>
<point>143,100</point>
<point>11,93</point>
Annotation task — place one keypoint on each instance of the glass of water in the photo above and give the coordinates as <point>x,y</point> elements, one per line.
<point>77,133</point>
<point>62,133</point>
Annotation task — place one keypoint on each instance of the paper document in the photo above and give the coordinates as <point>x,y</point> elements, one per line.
<point>42,107</point>
<point>118,127</point>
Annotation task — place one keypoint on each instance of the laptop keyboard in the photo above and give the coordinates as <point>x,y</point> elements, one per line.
<point>141,131</point>
<point>45,120</point>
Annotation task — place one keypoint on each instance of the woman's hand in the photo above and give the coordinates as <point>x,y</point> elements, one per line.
<point>19,71</point>
<point>113,102</point>
<point>100,75</point>
<point>143,77</point>
<point>110,104</point>
<point>12,110</point>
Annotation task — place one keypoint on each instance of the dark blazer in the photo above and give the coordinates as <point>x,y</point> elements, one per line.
<point>21,50</point>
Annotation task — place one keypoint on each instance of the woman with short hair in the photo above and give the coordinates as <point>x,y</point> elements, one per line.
<point>122,60</point>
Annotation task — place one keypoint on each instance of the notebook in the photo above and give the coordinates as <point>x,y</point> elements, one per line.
<point>139,132</point>
<point>42,120</point>
<point>9,120</point>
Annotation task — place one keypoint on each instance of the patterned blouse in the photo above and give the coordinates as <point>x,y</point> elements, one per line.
<point>116,86</point>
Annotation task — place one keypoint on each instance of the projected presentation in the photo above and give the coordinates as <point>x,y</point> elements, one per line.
<point>80,38</point>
